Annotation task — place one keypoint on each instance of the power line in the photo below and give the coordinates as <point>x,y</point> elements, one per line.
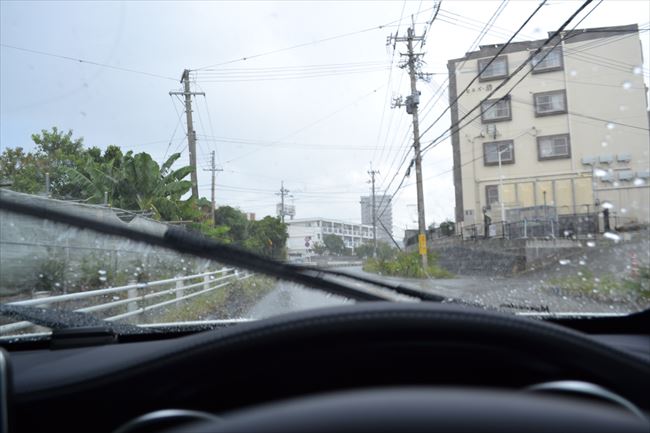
<point>88,62</point>
<point>476,77</point>
<point>515,72</point>
<point>304,44</point>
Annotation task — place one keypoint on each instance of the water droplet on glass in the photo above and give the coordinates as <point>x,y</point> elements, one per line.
<point>579,274</point>
<point>184,269</point>
<point>116,298</point>
<point>610,125</point>
<point>627,85</point>
<point>597,280</point>
<point>595,290</point>
<point>622,107</point>
<point>599,172</point>
<point>565,298</point>
<point>604,143</point>
<point>623,210</point>
<point>135,274</point>
<point>57,285</point>
<point>591,244</point>
<point>101,272</point>
<point>638,181</point>
<point>607,205</point>
<point>573,72</point>
<point>612,236</point>
<point>564,262</point>
<point>102,279</point>
<point>138,269</point>
<point>40,275</point>
<point>637,70</point>
<point>582,262</point>
<point>11,224</point>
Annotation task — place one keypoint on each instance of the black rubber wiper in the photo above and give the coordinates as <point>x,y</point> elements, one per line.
<point>402,289</point>
<point>184,241</point>
<point>57,319</point>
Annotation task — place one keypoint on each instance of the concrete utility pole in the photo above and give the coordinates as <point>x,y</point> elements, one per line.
<point>282,193</point>
<point>411,104</point>
<point>372,174</point>
<point>191,134</point>
<point>213,169</point>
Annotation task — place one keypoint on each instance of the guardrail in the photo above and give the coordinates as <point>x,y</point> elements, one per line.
<point>136,295</point>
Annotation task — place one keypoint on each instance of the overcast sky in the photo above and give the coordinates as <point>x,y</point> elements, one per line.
<point>314,116</point>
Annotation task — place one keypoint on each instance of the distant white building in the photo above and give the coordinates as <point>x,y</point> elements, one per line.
<point>305,232</point>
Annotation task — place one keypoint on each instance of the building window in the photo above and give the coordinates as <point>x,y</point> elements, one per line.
<point>491,194</point>
<point>553,147</point>
<point>492,150</point>
<point>497,70</point>
<point>496,110</point>
<point>550,103</point>
<point>548,60</point>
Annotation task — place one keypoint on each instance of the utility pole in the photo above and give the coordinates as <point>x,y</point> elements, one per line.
<point>372,174</point>
<point>213,169</point>
<point>191,134</point>
<point>411,104</point>
<point>282,193</point>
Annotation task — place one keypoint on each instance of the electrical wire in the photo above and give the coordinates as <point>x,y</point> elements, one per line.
<point>87,62</point>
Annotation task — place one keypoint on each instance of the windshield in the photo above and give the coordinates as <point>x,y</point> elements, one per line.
<point>492,153</point>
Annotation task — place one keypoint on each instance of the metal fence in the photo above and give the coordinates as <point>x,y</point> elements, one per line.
<point>117,303</point>
<point>561,226</point>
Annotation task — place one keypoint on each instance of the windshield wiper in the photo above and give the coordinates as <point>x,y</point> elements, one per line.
<point>58,320</point>
<point>183,241</point>
<point>400,288</point>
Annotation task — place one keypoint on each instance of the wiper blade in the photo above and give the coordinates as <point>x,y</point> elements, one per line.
<point>402,289</point>
<point>64,319</point>
<point>183,241</point>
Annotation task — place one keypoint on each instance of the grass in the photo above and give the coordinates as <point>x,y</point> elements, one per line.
<point>606,286</point>
<point>407,265</point>
<point>231,301</point>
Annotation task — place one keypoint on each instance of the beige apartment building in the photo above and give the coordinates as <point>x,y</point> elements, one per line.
<point>571,138</point>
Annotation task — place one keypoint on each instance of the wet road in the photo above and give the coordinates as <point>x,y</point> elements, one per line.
<point>517,294</point>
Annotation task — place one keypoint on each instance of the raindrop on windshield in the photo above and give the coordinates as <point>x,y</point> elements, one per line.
<point>184,269</point>
<point>116,298</point>
<point>101,272</point>
<point>604,143</point>
<point>608,205</point>
<point>599,172</point>
<point>637,70</point>
<point>638,181</point>
<point>40,275</point>
<point>564,262</point>
<point>591,244</point>
<point>610,125</point>
<point>627,85</point>
<point>612,236</point>
<point>57,285</point>
<point>582,262</point>
<point>573,72</point>
<point>623,210</point>
<point>102,279</point>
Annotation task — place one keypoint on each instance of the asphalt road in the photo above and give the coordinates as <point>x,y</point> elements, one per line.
<point>526,292</point>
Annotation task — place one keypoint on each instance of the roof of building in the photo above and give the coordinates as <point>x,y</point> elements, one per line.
<point>571,36</point>
<point>304,220</point>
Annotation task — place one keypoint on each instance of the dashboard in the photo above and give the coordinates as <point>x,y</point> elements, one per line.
<point>299,370</point>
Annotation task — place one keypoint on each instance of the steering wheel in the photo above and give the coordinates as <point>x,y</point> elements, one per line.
<point>434,408</point>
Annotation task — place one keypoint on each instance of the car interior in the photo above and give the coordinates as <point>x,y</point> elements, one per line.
<point>380,366</point>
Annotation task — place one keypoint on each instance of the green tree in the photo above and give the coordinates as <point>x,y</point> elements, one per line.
<point>319,248</point>
<point>447,228</point>
<point>236,222</point>
<point>334,244</point>
<point>268,237</point>
<point>364,251</point>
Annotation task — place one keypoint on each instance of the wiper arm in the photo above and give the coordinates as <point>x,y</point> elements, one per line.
<point>183,241</point>
<point>402,289</point>
<point>64,319</point>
